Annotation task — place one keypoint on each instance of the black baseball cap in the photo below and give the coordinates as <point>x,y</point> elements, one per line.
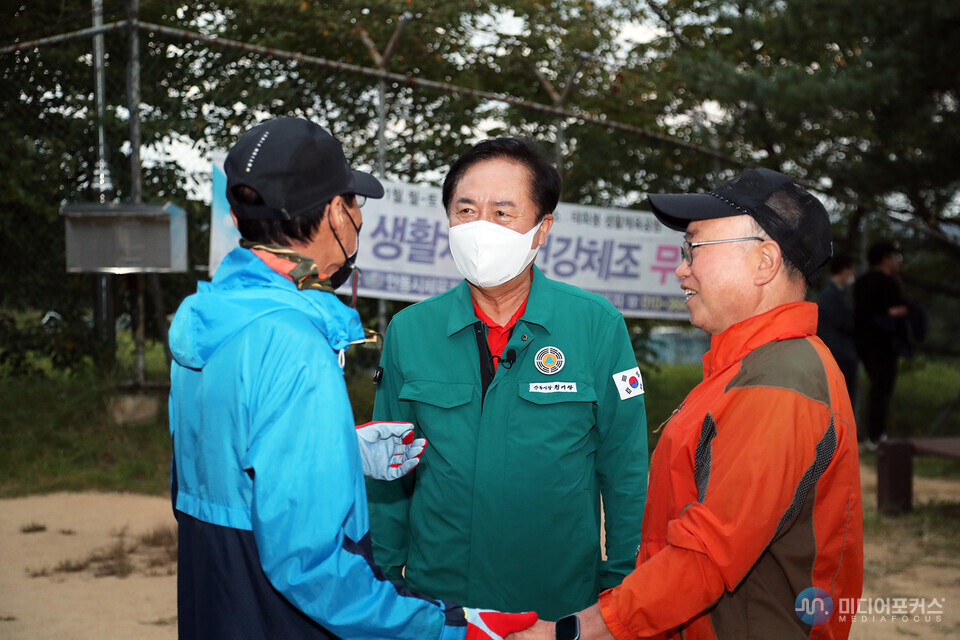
<point>295,165</point>
<point>788,213</point>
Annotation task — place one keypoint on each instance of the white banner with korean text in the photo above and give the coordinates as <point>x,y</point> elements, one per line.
<point>626,256</point>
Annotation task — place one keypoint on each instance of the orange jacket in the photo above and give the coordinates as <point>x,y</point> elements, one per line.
<point>754,494</point>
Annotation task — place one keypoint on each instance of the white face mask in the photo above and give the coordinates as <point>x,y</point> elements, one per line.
<point>488,254</point>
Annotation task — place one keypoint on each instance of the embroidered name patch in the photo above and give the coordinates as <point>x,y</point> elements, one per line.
<point>553,387</point>
<point>629,383</point>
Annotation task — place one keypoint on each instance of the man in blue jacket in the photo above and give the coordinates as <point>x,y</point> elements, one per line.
<point>268,468</point>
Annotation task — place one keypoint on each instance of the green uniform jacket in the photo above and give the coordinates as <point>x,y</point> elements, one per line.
<point>503,512</point>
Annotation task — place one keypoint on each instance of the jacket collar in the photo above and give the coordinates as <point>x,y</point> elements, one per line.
<point>792,320</point>
<point>243,290</point>
<point>539,309</point>
<point>339,322</point>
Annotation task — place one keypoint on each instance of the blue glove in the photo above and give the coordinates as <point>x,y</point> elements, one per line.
<point>388,449</point>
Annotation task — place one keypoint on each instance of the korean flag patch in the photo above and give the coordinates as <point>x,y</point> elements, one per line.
<point>629,383</point>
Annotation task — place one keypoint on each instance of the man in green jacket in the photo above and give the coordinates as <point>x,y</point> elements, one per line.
<point>529,395</point>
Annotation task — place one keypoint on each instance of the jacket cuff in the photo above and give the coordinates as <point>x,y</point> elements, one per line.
<point>608,609</point>
<point>450,632</point>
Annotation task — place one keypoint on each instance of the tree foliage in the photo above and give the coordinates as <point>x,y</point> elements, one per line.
<point>859,102</point>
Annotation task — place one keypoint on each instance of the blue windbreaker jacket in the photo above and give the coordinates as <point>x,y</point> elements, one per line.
<point>267,481</point>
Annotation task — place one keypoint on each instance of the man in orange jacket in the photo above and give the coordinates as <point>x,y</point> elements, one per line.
<point>753,526</point>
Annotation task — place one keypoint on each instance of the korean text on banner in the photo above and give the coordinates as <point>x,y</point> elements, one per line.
<point>626,256</point>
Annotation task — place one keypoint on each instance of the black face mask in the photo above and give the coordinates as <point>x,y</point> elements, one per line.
<point>342,274</point>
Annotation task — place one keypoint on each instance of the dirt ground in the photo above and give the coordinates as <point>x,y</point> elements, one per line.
<point>85,566</point>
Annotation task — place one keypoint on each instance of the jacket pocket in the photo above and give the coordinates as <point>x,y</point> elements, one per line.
<point>446,415</point>
<point>444,395</point>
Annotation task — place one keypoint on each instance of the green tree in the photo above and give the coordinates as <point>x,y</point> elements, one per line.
<point>859,102</point>
<point>199,93</point>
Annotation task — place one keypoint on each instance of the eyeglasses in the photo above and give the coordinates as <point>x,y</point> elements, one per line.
<point>357,199</point>
<point>686,249</point>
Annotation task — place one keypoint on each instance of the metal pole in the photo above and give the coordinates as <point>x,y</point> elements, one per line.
<point>381,61</point>
<point>559,100</point>
<point>106,329</point>
<point>381,125</point>
<point>136,177</point>
<point>102,185</point>
<point>382,171</point>
<point>140,332</point>
<point>558,147</point>
<point>133,101</point>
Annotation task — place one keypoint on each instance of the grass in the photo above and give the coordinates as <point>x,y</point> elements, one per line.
<point>930,528</point>
<point>56,435</point>
<point>56,432</point>
<point>152,553</point>
<point>923,389</point>
<point>362,390</point>
<point>113,560</point>
<point>932,523</point>
<point>935,467</point>
<point>154,359</point>
<point>664,389</point>
<point>71,566</point>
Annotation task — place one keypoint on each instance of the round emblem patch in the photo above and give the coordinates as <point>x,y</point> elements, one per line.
<point>549,360</point>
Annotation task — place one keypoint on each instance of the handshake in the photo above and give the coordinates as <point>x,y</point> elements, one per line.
<point>483,624</point>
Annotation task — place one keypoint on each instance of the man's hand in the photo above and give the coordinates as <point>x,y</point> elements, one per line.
<point>388,449</point>
<point>592,627</point>
<point>484,624</point>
